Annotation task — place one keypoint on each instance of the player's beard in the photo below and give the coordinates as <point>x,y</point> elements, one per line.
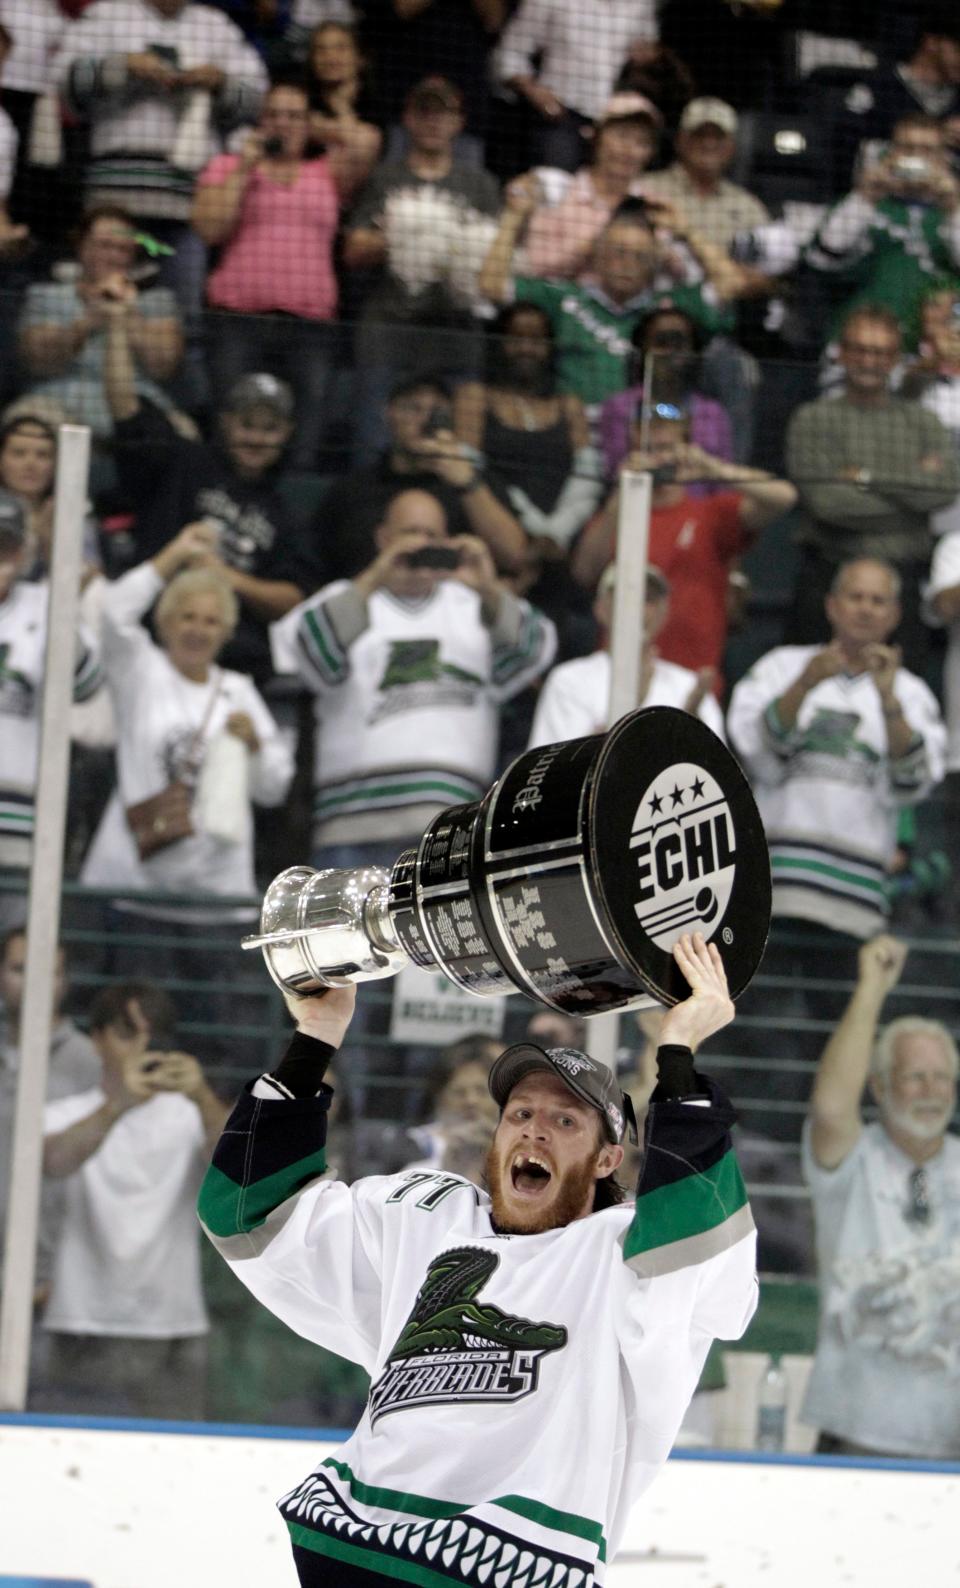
<point>564,1205</point>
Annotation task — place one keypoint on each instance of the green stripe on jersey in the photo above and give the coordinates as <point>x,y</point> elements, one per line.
<point>333,664</point>
<point>696,1206</point>
<point>779,862</point>
<point>421,1505</point>
<point>16,820</point>
<point>226,1208</point>
<point>416,783</point>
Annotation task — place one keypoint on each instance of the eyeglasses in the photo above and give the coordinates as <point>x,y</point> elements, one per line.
<point>918,1210</point>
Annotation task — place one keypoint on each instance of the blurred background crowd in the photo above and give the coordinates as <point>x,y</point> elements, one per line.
<point>367,305</point>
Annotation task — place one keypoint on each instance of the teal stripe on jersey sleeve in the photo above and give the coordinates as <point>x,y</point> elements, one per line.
<point>679,1224</point>
<point>228,1208</point>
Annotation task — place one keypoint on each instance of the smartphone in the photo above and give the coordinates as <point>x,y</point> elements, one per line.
<point>439,418</point>
<point>434,557</point>
<point>273,147</point>
<point>167,53</point>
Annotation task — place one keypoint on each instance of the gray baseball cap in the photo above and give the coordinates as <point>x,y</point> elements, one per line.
<point>260,391</point>
<point>587,1078</point>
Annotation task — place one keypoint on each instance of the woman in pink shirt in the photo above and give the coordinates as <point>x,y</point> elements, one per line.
<point>575,209</point>
<point>273,211</point>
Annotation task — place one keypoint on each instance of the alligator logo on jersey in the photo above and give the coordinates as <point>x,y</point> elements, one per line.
<point>454,1348</point>
<point>420,662</point>
<point>685,850</point>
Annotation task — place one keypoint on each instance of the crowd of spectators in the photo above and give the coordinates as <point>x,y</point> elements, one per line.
<point>368,304</point>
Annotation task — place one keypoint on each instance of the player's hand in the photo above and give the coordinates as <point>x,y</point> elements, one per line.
<point>880,963</point>
<point>709,1007</point>
<point>325,1017</point>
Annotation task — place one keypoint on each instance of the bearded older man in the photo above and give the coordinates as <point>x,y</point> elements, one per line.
<point>886,1197</point>
<point>531,1351</point>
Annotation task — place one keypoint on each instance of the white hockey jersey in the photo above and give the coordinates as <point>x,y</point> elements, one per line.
<point>407,699</point>
<point>827,789</point>
<point>525,1388</point>
<point>23,642</point>
<point>573,700</point>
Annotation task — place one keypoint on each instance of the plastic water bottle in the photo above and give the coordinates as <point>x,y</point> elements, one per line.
<point>772,1407</point>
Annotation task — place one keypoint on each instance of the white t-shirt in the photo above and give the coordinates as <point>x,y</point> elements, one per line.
<point>573,701</point>
<point>887,1368</point>
<point>128,1260</point>
<point>166,725</point>
<point>945,572</point>
<point>37,28</point>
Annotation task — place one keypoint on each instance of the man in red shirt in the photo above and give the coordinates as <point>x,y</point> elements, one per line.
<point>695,540</point>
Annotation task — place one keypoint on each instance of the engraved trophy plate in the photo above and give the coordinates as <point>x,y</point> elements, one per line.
<point>570,881</point>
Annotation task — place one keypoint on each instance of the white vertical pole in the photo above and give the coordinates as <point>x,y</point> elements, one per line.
<point>626,649</point>
<point>43,918</point>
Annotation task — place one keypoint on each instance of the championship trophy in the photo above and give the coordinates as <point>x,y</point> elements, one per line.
<point>570,881</point>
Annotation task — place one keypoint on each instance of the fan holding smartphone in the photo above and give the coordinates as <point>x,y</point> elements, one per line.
<point>409,662</point>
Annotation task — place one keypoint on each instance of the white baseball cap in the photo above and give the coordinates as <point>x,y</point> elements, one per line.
<point>709,112</point>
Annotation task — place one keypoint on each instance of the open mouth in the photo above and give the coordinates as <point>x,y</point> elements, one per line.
<point>529,1175</point>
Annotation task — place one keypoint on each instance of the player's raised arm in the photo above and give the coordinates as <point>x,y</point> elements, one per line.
<point>691,1199</point>
<point>269,1212</point>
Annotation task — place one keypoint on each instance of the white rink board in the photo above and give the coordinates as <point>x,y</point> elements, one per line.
<point>147,1509</point>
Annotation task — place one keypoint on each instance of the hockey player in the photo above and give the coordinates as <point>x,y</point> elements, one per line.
<point>531,1350</point>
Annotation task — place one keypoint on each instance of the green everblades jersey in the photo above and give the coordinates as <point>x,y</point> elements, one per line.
<point>524,1389</point>
<point>593,333</point>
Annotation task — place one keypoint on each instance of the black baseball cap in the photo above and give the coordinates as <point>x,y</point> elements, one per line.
<point>435,91</point>
<point>587,1078</point>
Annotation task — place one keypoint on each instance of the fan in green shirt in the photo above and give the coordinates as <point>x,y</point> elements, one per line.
<point>592,321</point>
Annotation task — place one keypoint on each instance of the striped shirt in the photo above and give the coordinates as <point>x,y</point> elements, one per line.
<point>407,697</point>
<point>828,789</point>
<point>23,639</point>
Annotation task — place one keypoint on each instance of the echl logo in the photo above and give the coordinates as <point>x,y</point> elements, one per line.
<point>685,848</point>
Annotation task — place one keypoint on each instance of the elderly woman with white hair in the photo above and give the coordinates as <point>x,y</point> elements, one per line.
<point>195,746</point>
<point>179,718</point>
